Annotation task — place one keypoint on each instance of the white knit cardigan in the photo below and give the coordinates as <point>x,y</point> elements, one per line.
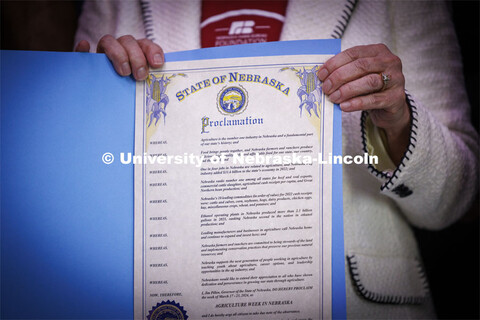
<point>437,178</point>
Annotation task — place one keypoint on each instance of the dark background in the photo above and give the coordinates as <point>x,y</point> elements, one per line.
<point>451,256</point>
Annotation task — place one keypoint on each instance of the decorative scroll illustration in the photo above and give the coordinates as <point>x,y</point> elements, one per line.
<point>156,102</point>
<point>310,91</point>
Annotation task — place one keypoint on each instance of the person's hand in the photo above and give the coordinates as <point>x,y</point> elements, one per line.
<point>353,79</point>
<point>128,55</point>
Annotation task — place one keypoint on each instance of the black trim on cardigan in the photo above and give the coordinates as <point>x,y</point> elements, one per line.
<point>337,32</point>
<point>342,23</point>
<point>147,19</point>
<point>411,144</point>
<point>372,169</point>
<point>406,156</point>
<point>381,298</point>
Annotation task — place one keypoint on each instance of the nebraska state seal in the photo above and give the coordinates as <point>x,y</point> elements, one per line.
<point>232,100</point>
<point>167,310</point>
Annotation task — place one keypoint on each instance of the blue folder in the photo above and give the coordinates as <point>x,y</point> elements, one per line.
<point>66,217</point>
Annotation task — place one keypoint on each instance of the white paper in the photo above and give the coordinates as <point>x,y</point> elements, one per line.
<point>233,240</point>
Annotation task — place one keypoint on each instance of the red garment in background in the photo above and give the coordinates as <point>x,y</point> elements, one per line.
<point>227,23</point>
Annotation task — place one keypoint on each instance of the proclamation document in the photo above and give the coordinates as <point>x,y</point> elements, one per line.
<point>233,190</point>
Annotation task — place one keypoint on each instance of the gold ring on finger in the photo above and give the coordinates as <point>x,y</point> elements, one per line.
<point>385,78</point>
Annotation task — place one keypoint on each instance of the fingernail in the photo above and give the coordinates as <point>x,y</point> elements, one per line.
<point>345,105</point>
<point>334,96</point>
<point>126,68</point>
<point>323,74</point>
<point>141,73</point>
<point>327,85</point>
<point>158,59</point>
